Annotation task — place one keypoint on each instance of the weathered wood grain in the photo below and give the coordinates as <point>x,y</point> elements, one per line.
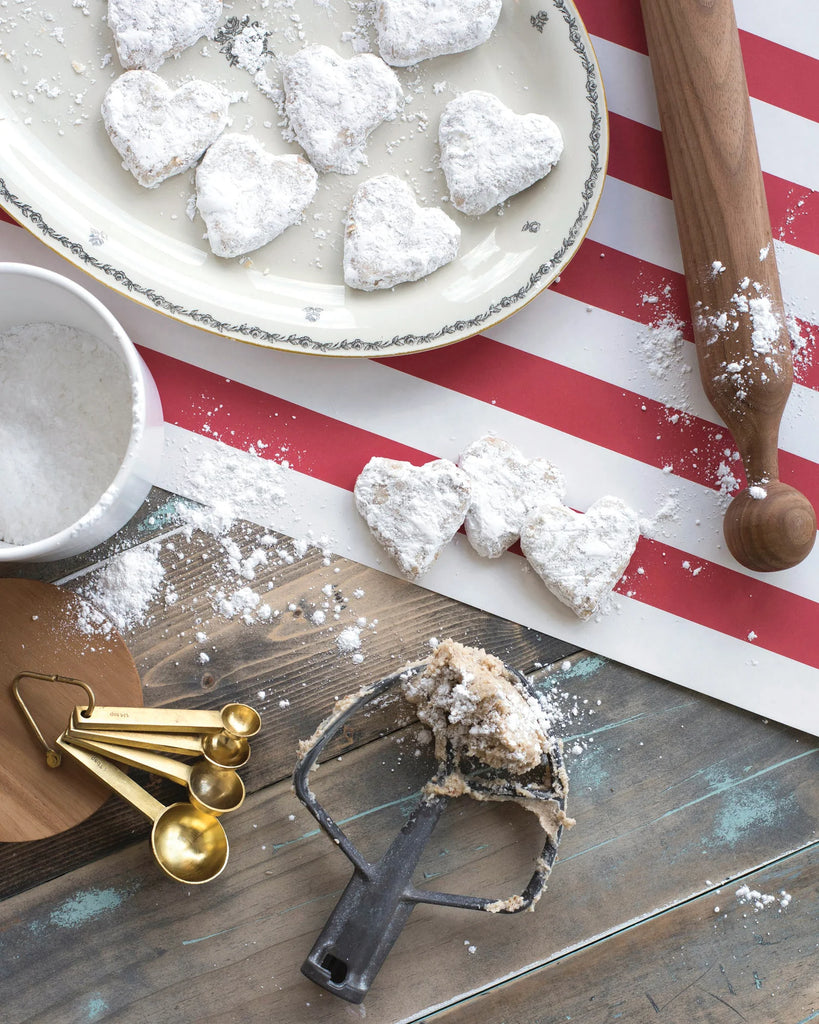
<point>292,660</point>
<point>674,795</point>
<point>712,960</point>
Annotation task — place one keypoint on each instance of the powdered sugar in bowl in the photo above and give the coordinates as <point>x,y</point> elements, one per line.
<point>81,426</point>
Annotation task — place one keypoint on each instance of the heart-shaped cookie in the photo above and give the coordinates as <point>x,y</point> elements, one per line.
<point>390,239</point>
<point>147,31</point>
<point>247,197</point>
<point>160,132</point>
<point>413,511</point>
<point>489,153</point>
<point>506,487</point>
<point>333,104</point>
<point>410,31</point>
<point>580,557</point>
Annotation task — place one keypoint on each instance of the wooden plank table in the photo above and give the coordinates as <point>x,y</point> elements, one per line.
<point>679,801</point>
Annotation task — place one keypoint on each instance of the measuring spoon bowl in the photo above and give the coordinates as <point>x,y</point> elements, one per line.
<point>240,720</point>
<point>190,845</point>
<point>217,790</point>
<point>226,751</point>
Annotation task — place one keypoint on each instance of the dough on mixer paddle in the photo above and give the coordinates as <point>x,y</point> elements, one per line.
<point>469,700</point>
<point>410,31</point>
<point>147,31</point>
<point>334,104</point>
<point>489,153</point>
<point>159,131</point>
<point>506,487</point>
<point>389,239</point>
<point>247,197</point>
<point>581,557</point>
<point>413,511</point>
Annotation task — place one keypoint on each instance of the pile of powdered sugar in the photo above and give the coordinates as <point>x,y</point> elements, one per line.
<point>236,562</point>
<point>762,901</point>
<point>65,424</point>
<point>663,351</point>
<point>219,483</point>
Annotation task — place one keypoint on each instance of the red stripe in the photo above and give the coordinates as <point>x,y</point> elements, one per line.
<point>618,21</point>
<point>241,416</point>
<point>592,410</point>
<point>628,281</point>
<point>638,158</point>
<point>783,77</point>
<point>776,74</point>
<point>333,451</point>
<point>7,217</point>
<point>794,212</point>
<point>619,283</point>
<point>724,600</point>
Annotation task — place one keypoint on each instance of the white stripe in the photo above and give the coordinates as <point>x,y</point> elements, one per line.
<point>787,142</point>
<point>729,669</point>
<point>628,82</point>
<point>639,223</point>
<point>791,23</point>
<point>613,348</point>
<point>642,225</point>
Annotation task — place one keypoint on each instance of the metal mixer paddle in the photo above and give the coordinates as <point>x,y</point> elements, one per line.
<point>380,896</point>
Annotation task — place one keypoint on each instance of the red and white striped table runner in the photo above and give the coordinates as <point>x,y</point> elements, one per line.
<point>567,378</point>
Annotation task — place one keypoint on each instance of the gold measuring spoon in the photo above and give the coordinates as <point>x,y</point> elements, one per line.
<point>219,748</point>
<point>189,845</point>
<point>213,790</point>
<point>238,720</point>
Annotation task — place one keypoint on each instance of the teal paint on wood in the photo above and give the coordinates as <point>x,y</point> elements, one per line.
<point>85,906</point>
<point>748,809</point>
<point>166,515</point>
<point>96,1008</point>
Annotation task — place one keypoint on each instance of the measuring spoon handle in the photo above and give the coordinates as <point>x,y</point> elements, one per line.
<point>147,760</point>
<point>164,742</point>
<point>148,719</point>
<point>113,777</point>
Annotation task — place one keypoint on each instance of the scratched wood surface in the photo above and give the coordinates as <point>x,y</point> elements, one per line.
<point>290,659</point>
<point>678,800</point>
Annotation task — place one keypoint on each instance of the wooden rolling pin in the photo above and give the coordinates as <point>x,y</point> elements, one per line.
<point>742,340</point>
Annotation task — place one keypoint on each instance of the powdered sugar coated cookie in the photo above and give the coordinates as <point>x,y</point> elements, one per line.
<point>506,487</point>
<point>147,31</point>
<point>333,104</point>
<point>410,31</point>
<point>489,153</point>
<point>581,557</point>
<point>247,197</point>
<point>413,511</point>
<point>160,132</point>
<point>390,239</point>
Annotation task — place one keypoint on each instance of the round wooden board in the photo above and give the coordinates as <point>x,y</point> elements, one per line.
<point>41,630</point>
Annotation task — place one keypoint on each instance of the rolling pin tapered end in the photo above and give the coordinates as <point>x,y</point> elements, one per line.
<point>773,532</point>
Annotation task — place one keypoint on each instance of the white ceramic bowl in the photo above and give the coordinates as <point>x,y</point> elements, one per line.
<point>30,294</point>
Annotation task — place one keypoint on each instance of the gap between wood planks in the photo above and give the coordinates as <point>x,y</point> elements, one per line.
<point>565,955</point>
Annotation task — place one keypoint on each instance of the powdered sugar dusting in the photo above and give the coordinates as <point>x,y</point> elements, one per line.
<point>762,901</point>
<point>124,589</point>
